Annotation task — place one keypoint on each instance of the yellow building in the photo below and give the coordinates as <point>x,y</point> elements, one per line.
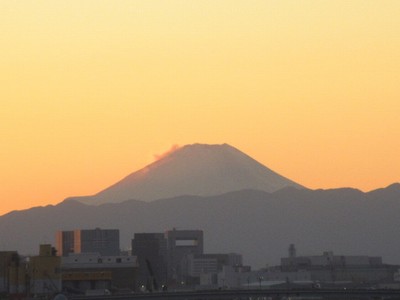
<point>12,273</point>
<point>44,272</point>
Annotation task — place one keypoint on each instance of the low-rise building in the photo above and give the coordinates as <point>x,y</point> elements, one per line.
<point>243,277</point>
<point>92,271</point>
<point>44,272</point>
<point>202,269</point>
<point>12,273</point>
<point>345,268</point>
<point>37,276</point>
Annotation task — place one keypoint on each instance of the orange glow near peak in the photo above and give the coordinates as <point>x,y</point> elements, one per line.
<point>91,89</point>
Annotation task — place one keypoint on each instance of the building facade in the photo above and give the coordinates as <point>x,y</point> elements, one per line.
<point>12,273</point>
<point>44,272</point>
<point>103,241</point>
<point>34,276</point>
<point>151,252</point>
<point>181,243</point>
<point>333,268</point>
<point>92,271</point>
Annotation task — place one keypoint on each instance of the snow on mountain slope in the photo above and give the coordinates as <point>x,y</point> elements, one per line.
<point>198,169</point>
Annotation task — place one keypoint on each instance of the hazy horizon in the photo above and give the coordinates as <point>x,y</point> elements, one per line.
<point>184,184</point>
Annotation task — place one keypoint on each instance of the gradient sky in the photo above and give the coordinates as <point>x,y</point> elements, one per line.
<point>91,90</point>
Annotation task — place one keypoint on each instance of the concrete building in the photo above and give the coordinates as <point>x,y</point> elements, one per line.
<point>243,277</point>
<point>151,252</point>
<point>37,276</point>
<point>181,243</point>
<point>176,259</point>
<point>103,241</point>
<point>197,264</point>
<point>328,259</point>
<point>44,272</point>
<point>12,273</point>
<point>310,271</point>
<point>207,266</point>
<point>333,268</point>
<point>92,271</point>
<point>65,242</point>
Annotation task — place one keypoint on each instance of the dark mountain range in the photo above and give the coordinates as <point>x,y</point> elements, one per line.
<point>258,224</point>
<point>198,170</point>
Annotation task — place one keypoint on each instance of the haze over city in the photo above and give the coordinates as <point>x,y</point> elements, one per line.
<point>92,91</point>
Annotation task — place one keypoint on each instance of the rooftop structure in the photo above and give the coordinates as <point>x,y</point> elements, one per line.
<point>179,244</point>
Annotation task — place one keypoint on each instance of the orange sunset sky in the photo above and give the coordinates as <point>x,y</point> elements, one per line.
<point>91,90</point>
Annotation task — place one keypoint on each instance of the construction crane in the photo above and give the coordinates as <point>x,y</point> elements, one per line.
<point>152,282</point>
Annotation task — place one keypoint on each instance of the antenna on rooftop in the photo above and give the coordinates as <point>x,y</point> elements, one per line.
<point>292,251</point>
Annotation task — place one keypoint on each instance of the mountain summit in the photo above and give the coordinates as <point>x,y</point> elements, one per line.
<point>198,169</point>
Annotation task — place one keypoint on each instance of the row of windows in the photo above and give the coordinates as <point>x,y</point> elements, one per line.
<point>100,260</point>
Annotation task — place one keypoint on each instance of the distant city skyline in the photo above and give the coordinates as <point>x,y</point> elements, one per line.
<point>92,91</point>
<point>90,262</point>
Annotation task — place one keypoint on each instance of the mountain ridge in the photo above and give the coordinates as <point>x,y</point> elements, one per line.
<point>258,224</point>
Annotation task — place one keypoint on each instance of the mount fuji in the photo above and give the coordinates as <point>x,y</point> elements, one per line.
<point>241,205</point>
<point>196,170</point>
